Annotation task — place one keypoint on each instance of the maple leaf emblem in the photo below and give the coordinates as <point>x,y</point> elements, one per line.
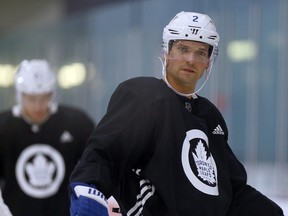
<point>204,164</point>
<point>40,171</point>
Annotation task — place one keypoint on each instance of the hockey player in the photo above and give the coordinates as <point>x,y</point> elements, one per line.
<point>161,149</point>
<point>40,143</point>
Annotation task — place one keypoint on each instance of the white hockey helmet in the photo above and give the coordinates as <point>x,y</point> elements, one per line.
<point>191,26</point>
<point>34,77</point>
<point>195,27</point>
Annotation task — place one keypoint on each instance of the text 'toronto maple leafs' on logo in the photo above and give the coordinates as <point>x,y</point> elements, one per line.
<point>40,171</point>
<point>204,164</point>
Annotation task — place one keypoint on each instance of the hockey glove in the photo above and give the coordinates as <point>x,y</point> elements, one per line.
<point>86,200</point>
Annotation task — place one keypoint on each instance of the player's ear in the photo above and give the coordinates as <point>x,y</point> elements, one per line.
<point>207,65</point>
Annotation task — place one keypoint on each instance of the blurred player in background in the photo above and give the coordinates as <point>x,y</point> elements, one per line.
<point>40,143</point>
<point>161,149</point>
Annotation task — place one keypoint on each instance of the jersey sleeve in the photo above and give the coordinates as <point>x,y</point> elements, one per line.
<point>86,128</point>
<point>119,140</point>
<point>1,149</point>
<point>247,200</point>
<point>3,120</point>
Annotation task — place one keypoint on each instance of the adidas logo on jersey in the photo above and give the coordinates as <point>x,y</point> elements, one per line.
<point>66,137</point>
<point>218,130</point>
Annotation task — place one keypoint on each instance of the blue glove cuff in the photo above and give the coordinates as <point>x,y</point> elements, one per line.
<point>87,201</point>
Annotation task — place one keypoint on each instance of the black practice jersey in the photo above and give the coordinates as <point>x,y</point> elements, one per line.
<point>161,154</point>
<point>37,160</point>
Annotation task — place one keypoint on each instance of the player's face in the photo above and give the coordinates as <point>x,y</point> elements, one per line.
<point>36,107</point>
<point>186,63</point>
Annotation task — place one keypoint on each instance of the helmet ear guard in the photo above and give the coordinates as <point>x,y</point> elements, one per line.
<point>195,27</point>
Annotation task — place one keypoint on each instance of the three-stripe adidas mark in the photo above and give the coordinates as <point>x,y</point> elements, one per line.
<point>218,130</point>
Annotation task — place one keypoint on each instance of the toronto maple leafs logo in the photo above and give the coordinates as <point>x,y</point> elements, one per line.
<point>203,163</point>
<point>40,170</point>
<point>198,163</point>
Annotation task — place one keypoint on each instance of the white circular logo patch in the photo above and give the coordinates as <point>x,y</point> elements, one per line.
<point>40,170</point>
<point>198,163</point>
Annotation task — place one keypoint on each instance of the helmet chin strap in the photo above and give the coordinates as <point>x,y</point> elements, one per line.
<point>189,95</point>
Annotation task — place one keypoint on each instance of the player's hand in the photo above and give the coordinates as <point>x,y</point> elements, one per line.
<point>86,200</point>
